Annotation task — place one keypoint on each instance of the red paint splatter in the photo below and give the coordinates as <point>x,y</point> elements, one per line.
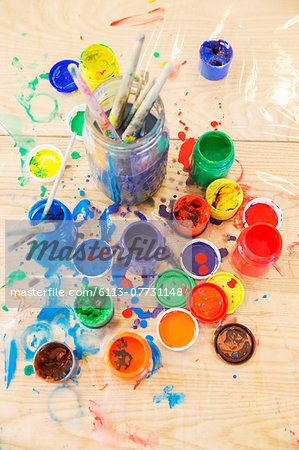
<point>185,152</point>
<point>125,283</point>
<point>238,218</point>
<point>182,135</point>
<point>214,124</point>
<point>292,248</point>
<point>203,270</point>
<point>186,128</point>
<point>279,270</point>
<point>183,123</point>
<point>242,171</point>
<point>104,387</point>
<point>219,105</point>
<point>179,113</point>
<point>232,283</point>
<point>176,69</point>
<point>197,360</point>
<point>201,258</point>
<point>81,37</point>
<point>127,313</point>
<point>156,15</point>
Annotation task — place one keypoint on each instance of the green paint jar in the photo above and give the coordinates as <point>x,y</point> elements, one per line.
<point>94,307</point>
<point>212,157</point>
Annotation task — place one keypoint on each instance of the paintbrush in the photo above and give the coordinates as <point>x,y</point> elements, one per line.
<point>120,102</point>
<point>136,123</point>
<point>45,227</point>
<point>138,102</point>
<point>58,177</point>
<point>91,101</point>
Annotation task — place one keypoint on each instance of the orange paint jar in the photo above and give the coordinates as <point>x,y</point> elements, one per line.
<point>129,356</point>
<point>191,215</point>
<point>177,329</point>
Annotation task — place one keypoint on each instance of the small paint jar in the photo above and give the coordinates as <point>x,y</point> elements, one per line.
<point>127,172</point>
<point>140,242</point>
<point>54,362</point>
<point>60,241</point>
<point>93,258</point>
<point>129,356</point>
<point>97,64</point>
<point>43,162</point>
<point>172,288</point>
<point>214,59</point>
<point>75,120</point>
<point>233,288</point>
<point>208,302</point>
<point>234,343</point>
<point>212,156</point>
<point>177,329</point>
<point>224,197</point>
<point>191,215</point>
<point>262,210</point>
<point>258,247</point>
<point>200,258</point>
<point>94,307</point>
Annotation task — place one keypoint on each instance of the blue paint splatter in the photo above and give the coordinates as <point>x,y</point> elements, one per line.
<point>82,209</point>
<point>143,323</point>
<point>215,221</point>
<point>234,376</point>
<point>41,333</point>
<point>10,359</point>
<point>57,392</point>
<point>173,398</point>
<point>35,390</point>
<point>108,228</point>
<point>223,252</point>
<point>265,296</point>
<point>234,354</point>
<point>147,314</point>
<point>82,342</point>
<point>230,237</point>
<point>163,212</point>
<point>140,215</point>
<point>134,300</point>
<point>82,193</point>
<point>156,355</point>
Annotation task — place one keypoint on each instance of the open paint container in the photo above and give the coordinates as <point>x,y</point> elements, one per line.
<point>224,197</point>
<point>214,59</point>
<point>54,362</point>
<point>191,215</point>
<point>233,288</point>
<point>200,258</point>
<point>93,258</point>
<point>95,309</point>
<point>234,343</point>
<point>177,329</point>
<point>43,162</point>
<point>129,356</point>
<point>208,302</point>
<point>262,210</point>
<point>75,120</point>
<point>172,288</point>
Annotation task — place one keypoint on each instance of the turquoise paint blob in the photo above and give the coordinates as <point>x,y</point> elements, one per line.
<point>77,123</point>
<point>173,398</point>
<point>28,370</point>
<point>15,276</point>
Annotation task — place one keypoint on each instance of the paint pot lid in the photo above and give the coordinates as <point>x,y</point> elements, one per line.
<point>208,302</point>
<point>232,286</point>
<point>166,287</point>
<point>98,264</point>
<point>234,343</point>
<point>272,213</point>
<point>174,329</point>
<point>200,258</point>
<point>60,77</point>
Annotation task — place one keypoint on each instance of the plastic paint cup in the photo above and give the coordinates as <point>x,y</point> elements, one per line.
<point>258,247</point>
<point>233,288</point>
<point>208,302</point>
<point>54,362</point>
<point>200,259</point>
<point>172,288</point>
<point>75,120</point>
<point>224,197</point>
<point>93,258</point>
<point>234,343</point>
<point>140,241</point>
<point>191,215</point>
<point>95,309</point>
<point>43,162</point>
<point>129,356</point>
<point>212,156</point>
<point>177,329</point>
<point>214,59</point>
<point>262,210</point>
<point>97,64</point>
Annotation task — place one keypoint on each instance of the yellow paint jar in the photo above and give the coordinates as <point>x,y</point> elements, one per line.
<point>224,197</point>
<point>97,64</point>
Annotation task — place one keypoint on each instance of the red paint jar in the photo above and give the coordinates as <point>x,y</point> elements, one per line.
<point>208,302</point>
<point>190,214</point>
<point>258,248</point>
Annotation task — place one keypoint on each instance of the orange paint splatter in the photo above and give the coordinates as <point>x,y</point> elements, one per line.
<point>156,15</point>
<point>104,387</point>
<point>182,135</point>
<point>242,171</point>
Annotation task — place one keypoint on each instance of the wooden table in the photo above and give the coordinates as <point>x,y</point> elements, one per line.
<point>258,409</point>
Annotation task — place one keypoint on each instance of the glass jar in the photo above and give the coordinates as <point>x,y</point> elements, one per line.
<point>97,64</point>
<point>212,157</point>
<point>127,172</point>
<point>258,247</point>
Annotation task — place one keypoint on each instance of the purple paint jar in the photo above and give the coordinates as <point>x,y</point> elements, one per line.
<point>141,242</point>
<point>127,172</point>
<point>200,258</point>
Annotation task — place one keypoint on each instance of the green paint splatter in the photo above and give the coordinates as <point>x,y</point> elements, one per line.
<point>25,100</point>
<point>77,123</point>
<point>42,191</point>
<point>24,34</point>
<point>16,63</point>
<point>149,201</point>
<point>4,307</point>
<point>32,84</point>
<point>14,276</point>
<point>63,186</point>
<point>75,155</point>
<point>28,370</point>
<point>44,76</point>
<point>156,54</point>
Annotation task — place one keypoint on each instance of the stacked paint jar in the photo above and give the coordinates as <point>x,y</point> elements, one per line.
<point>127,172</point>
<point>212,156</point>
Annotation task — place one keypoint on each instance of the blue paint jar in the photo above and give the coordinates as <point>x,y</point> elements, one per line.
<point>64,235</point>
<point>127,172</point>
<point>214,59</point>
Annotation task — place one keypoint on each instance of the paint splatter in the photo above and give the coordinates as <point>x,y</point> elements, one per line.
<point>234,376</point>
<point>156,15</point>
<point>176,69</point>
<point>238,218</point>
<point>215,221</point>
<point>232,283</point>
<point>163,212</point>
<point>172,397</point>
<point>223,252</point>
<point>182,135</point>
<point>147,314</point>
<point>230,237</point>
<point>127,313</point>
<point>143,323</point>
<point>214,124</point>
<point>156,54</point>
<point>81,211</point>
<point>185,153</point>
<point>10,359</point>
<point>43,190</point>
<point>15,276</point>
<point>28,370</point>
<point>156,355</point>
<point>140,215</point>
<point>293,247</point>
<point>240,178</point>
<point>75,155</point>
